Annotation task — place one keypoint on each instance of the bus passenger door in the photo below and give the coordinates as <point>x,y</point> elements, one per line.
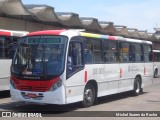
<point>126,78</point>
<point>75,72</point>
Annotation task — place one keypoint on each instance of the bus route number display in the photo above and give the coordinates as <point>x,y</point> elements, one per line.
<point>44,40</point>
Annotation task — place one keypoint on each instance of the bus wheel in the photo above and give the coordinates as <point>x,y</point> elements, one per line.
<point>155,73</point>
<point>137,86</point>
<point>88,95</point>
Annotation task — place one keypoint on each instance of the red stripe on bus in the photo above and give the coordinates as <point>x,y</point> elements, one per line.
<point>5,33</point>
<point>111,38</point>
<point>85,76</point>
<point>144,70</point>
<point>46,32</point>
<point>121,72</point>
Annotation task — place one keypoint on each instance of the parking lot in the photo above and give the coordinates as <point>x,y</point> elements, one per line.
<point>148,101</point>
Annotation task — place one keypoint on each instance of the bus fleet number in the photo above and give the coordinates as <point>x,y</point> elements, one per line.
<point>97,71</point>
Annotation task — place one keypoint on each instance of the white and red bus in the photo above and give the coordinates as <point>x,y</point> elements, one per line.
<point>156,63</point>
<point>67,66</point>
<point>8,43</point>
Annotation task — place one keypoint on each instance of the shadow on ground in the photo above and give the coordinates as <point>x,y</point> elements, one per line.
<point>60,110</point>
<point>4,94</point>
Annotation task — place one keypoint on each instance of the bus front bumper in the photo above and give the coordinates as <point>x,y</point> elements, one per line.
<point>50,97</point>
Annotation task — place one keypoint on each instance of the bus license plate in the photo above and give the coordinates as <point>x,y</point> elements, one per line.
<point>31,95</point>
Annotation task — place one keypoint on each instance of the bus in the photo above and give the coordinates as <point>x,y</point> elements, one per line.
<point>156,63</point>
<point>67,66</point>
<point>8,43</point>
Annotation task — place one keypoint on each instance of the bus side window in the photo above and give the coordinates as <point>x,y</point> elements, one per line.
<point>147,50</point>
<point>88,52</point>
<point>136,53</point>
<point>75,58</point>
<point>110,51</point>
<point>125,52</point>
<point>2,47</point>
<point>88,56</point>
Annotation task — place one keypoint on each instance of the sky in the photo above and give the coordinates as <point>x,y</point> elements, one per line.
<point>139,14</point>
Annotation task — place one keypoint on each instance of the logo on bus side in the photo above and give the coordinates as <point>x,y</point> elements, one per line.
<point>135,68</point>
<point>98,71</point>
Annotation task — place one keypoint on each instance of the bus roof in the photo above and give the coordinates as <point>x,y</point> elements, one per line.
<point>72,32</point>
<point>12,33</point>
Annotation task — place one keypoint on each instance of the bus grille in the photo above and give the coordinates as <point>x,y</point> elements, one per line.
<point>35,89</point>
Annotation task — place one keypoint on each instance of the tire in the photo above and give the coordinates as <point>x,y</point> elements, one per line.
<point>137,87</point>
<point>89,95</point>
<point>155,73</point>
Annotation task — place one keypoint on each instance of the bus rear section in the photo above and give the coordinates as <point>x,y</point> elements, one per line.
<point>8,44</point>
<point>67,66</point>
<point>156,63</point>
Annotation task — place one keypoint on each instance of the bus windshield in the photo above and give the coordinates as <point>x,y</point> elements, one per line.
<point>40,56</point>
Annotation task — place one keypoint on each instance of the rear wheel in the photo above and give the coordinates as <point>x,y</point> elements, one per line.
<point>88,95</point>
<point>137,86</point>
<point>155,73</point>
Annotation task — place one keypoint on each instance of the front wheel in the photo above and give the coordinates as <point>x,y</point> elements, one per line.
<point>88,95</point>
<point>137,87</point>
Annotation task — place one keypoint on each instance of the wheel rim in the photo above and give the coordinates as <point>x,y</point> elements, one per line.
<point>88,96</point>
<point>138,87</point>
<point>156,73</point>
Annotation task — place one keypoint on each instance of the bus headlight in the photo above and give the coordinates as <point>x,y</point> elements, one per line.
<point>12,84</point>
<point>56,85</point>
